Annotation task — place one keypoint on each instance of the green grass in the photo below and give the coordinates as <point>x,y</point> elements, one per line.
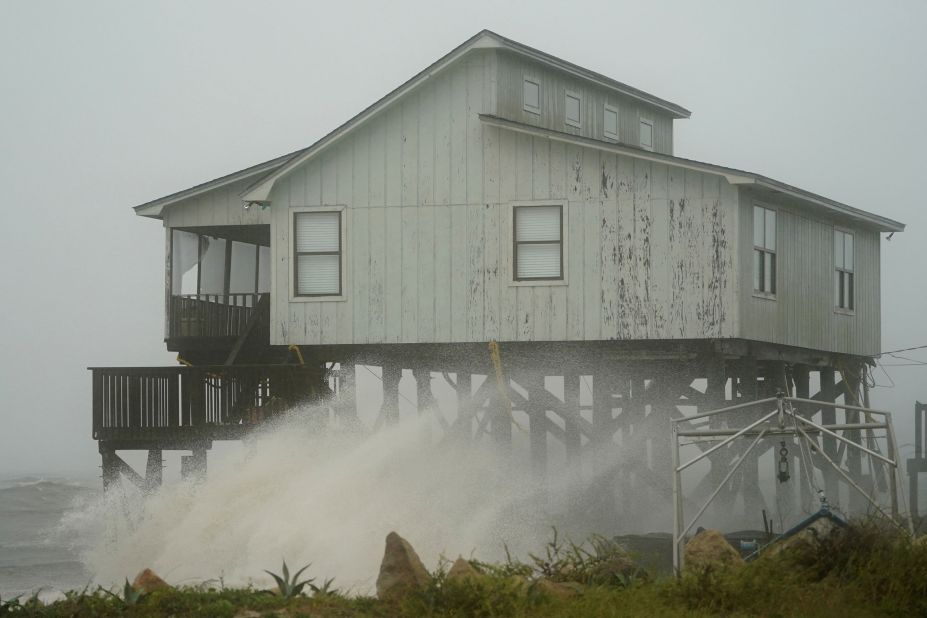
<point>866,570</point>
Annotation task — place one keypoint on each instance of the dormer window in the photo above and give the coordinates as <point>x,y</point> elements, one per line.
<point>646,133</point>
<point>532,94</point>
<point>572,109</point>
<point>610,122</point>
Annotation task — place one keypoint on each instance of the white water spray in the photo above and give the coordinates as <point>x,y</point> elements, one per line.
<point>320,498</point>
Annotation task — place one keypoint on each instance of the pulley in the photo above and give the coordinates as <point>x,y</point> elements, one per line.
<point>783,463</point>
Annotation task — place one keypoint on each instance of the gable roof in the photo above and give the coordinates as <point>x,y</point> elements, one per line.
<point>265,174</point>
<point>732,175</point>
<point>259,190</point>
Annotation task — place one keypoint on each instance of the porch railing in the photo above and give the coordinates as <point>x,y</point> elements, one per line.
<point>211,315</point>
<point>135,401</point>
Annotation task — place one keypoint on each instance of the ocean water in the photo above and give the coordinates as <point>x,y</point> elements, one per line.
<point>36,550</point>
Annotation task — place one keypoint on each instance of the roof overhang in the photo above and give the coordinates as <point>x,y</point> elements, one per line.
<point>155,208</point>
<point>733,176</point>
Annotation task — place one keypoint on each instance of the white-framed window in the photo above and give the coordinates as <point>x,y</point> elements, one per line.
<point>317,253</point>
<point>843,271</point>
<point>532,96</point>
<point>537,242</point>
<point>610,122</point>
<point>764,251</point>
<point>573,109</point>
<point>646,133</point>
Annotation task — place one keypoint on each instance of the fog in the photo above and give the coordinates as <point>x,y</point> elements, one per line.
<point>105,105</point>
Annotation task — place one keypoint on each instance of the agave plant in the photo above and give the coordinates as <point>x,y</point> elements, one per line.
<point>9,606</point>
<point>325,589</point>
<point>130,596</point>
<point>291,586</point>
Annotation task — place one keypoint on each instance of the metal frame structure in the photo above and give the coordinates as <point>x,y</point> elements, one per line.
<point>784,420</point>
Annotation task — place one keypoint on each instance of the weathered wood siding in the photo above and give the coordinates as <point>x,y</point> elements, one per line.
<point>513,69</point>
<point>220,206</point>
<point>428,190</point>
<point>803,312</point>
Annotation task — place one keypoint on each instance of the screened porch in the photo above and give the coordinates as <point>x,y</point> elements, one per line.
<point>219,278</point>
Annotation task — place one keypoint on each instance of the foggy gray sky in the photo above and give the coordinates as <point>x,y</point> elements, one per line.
<point>105,105</point>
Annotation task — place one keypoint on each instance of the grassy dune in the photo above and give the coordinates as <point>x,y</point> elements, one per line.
<point>865,570</point>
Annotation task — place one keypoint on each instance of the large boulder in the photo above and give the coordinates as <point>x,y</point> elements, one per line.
<point>710,550</point>
<point>462,569</point>
<point>817,530</point>
<point>147,581</point>
<point>401,571</point>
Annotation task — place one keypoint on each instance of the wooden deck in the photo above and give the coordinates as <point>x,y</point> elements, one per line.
<point>173,406</point>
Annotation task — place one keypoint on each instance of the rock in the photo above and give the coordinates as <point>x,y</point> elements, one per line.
<point>559,590</point>
<point>818,529</point>
<point>147,581</point>
<point>401,571</point>
<point>462,569</point>
<point>710,550</point>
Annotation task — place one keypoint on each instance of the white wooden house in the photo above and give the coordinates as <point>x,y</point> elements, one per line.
<point>503,194</point>
<point>415,203</point>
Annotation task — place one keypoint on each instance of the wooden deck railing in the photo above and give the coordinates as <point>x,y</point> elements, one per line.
<point>211,315</point>
<point>130,402</point>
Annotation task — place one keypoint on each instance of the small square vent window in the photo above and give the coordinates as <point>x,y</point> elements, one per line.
<point>610,122</point>
<point>532,97</point>
<point>573,105</point>
<point>647,133</point>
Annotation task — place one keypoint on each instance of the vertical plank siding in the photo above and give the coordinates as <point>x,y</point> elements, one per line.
<point>429,192</point>
<point>803,312</point>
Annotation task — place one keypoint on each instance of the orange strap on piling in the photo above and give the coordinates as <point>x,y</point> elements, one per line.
<point>500,380</point>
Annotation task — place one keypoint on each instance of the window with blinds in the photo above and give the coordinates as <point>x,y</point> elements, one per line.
<point>538,242</point>
<point>843,270</point>
<point>317,253</point>
<point>764,250</point>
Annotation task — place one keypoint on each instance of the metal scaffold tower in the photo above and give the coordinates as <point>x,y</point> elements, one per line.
<point>785,422</point>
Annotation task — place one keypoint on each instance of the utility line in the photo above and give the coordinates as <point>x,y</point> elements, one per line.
<point>917,347</point>
<point>905,365</point>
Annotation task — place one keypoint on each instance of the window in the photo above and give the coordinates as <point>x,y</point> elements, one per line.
<point>647,133</point>
<point>532,93</point>
<point>843,270</point>
<point>572,109</point>
<point>764,250</point>
<point>538,242</point>
<point>317,254</point>
<point>610,122</point>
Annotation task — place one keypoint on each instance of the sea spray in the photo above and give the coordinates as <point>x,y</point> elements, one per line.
<point>306,495</point>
